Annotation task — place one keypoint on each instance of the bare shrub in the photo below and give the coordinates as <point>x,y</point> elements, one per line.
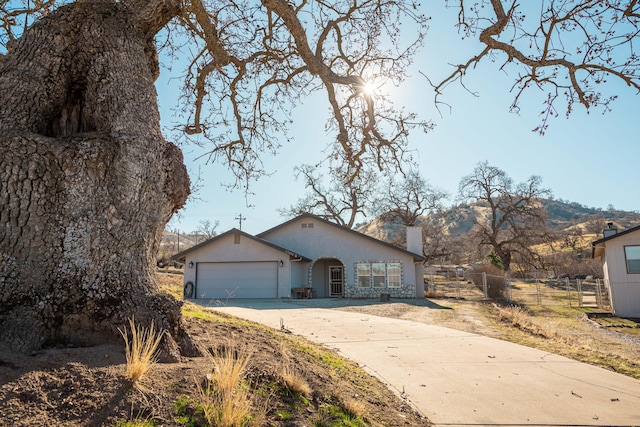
<point>141,349</point>
<point>496,282</point>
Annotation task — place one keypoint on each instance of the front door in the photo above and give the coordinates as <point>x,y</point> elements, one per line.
<point>335,281</point>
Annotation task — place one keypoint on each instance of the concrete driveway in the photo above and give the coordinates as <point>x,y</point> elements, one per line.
<point>458,378</point>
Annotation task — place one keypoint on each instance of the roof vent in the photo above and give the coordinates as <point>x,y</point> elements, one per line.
<point>609,231</point>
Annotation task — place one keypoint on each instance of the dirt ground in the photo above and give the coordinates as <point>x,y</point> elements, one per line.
<point>67,386</point>
<point>461,315</point>
<point>87,386</point>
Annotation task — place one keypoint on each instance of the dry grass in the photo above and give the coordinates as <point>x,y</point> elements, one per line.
<point>228,369</point>
<point>355,406</point>
<point>520,318</point>
<point>431,294</point>
<point>513,315</point>
<point>294,381</point>
<point>140,349</point>
<point>81,386</point>
<point>223,398</point>
<point>291,377</point>
<point>349,413</point>
<point>567,331</point>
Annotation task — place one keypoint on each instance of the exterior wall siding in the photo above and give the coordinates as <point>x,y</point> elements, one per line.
<point>225,250</point>
<point>624,287</point>
<point>625,299</point>
<point>325,241</point>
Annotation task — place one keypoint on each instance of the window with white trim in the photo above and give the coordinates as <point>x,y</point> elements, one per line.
<point>632,258</point>
<point>379,274</point>
<point>363,273</point>
<point>394,273</point>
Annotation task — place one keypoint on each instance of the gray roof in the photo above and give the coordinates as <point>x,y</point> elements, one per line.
<point>181,256</point>
<point>346,229</point>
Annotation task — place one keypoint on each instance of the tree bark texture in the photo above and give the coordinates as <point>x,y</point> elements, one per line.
<point>87,182</point>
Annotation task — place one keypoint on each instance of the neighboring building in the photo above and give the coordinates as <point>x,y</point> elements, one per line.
<point>306,256</point>
<point>620,252</point>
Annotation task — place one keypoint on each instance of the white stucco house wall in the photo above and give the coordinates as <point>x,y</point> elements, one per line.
<point>306,253</point>
<point>620,253</point>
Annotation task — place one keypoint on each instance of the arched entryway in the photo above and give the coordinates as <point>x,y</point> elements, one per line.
<point>327,277</point>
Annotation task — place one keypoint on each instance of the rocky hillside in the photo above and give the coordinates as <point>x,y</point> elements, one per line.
<point>459,220</point>
<point>172,243</point>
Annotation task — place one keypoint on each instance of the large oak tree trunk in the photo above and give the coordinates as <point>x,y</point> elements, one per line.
<point>87,182</point>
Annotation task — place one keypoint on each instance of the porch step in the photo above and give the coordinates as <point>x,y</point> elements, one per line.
<point>589,299</point>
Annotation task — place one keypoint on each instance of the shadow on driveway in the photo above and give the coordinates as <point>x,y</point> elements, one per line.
<point>270,304</point>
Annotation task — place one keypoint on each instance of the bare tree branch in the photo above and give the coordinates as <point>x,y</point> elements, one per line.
<point>340,203</point>
<point>407,199</point>
<point>568,48</point>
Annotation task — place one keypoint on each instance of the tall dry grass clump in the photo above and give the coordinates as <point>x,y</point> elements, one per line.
<point>355,407</point>
<point>291,377</point>
<point>513,315</point>
<point>223,397</point>
<point>520,318</point>
<point>141,349</point>
<point>294,381</point>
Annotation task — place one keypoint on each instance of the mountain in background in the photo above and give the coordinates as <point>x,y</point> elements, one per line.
<point>563,215</point>
<point>173,242</point>
<point>458,221</point>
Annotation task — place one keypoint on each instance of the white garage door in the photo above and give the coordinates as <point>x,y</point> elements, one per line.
<point>237,280</point>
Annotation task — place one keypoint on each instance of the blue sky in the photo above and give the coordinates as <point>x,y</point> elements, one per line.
<point>589,158</point>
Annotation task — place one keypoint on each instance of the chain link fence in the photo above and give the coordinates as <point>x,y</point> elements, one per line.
<point>483,286</point>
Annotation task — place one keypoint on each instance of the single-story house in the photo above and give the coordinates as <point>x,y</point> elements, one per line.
<point>307,256</point>
<point>620,252</point>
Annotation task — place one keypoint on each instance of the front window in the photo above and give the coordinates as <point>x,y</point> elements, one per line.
<point>379,274</point>
<point>393,274</point>
<point>363,271</point>
<point>632,256</point>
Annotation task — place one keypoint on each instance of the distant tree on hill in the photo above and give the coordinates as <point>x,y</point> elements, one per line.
<point>572,238</point>
<point>515,219</point>
<point>595,224</point>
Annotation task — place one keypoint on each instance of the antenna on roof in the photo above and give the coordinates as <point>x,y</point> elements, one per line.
<point>240,218</point>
